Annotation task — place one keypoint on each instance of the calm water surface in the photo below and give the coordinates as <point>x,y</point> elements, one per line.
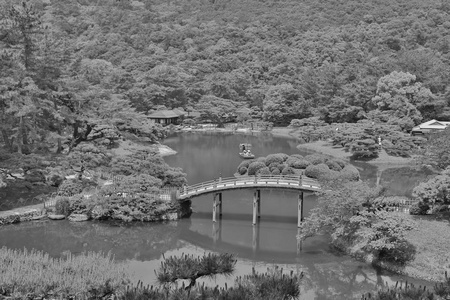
<point>271,242</point>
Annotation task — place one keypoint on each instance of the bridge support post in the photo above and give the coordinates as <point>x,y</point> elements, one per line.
<point>255,206</point>
<point>255,238</point>
<point>215,205</point>
<point>259,203</point>
<point>220,204</point>
<point>300,209</point>
<point>214,208</point>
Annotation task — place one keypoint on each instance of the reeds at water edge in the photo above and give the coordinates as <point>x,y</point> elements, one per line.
<point>31,271</point>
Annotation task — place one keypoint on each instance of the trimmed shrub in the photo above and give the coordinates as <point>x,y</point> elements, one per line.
<point>62,206</point>
<point>291,160</point>
<point>318,171</point>
<point>278,158</point>
<point>284,155</point>
<point>420,208</point>
<point>261,159</point>
<point>281,167</point>
<point>299,156</point>
<point>333,165</point>
<point>273,166</point>
<point>81,205</point>
<point>350,172</point>
<point>139,183</point>
<point>276,172</point>
<point>254,167</point>
<point>263,171</point>
<point>340,162</point>
<point>364,148</point>
<point>316,159</point>
<point>301,164</point>
<point>74,186</point>
<point>288,171</point>
<point>242,170</point>
<point>245,163</point>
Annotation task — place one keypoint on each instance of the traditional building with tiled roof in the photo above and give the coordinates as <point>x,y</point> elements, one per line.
<point>166,116</point>
<point>430,126</point>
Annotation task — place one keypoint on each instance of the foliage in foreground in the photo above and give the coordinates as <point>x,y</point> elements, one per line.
<point>435,191</point>
<point>359,224</point>
<point>436,152</point>
<point>33,274</point>
<point>272,284</point>
<point>36,274</point>
<point>189,267</point>
<point>410,291</point>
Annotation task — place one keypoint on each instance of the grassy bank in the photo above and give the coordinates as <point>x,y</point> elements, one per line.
<point>431,238</point>
<point>383,160</point>
<point>36,274</point>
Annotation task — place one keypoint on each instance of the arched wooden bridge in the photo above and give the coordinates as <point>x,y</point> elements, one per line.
<point>299,183</point>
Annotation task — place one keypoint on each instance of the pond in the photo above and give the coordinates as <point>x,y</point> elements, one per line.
<point>204,156</point>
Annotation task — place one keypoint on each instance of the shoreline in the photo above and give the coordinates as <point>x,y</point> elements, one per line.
<point>383,161</point>
<point>418,268</point>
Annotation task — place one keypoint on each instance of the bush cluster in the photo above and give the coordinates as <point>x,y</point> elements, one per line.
<point>314,165</point>
<point>322,171</point>
<point>254,167</point>
<point>72,187</point>
<point>265,171</point>
<point>62,206</point>
<point>277,158</point>
<point>420,208</point>
<point>297,163</point>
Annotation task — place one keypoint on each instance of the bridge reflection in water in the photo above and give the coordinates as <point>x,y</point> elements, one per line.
<point>216,187</point>
<point>217,236</point>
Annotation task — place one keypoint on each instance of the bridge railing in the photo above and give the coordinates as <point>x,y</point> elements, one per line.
<point>289,180</point>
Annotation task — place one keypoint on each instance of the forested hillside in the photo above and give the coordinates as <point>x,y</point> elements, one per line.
<point>74,70</point>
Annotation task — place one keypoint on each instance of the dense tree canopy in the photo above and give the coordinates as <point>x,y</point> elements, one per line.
<point>291,59</point>
<point>88,72</point>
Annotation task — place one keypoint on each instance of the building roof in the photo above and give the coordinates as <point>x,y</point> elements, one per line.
<point>179,111</point>
<point>432,124</point>
<point>165,114</point>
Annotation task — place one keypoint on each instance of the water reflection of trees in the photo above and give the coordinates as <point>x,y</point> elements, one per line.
<point>402,181</point>
<point>140,241</point>
<point>327,275</point>
<point>342,279</point>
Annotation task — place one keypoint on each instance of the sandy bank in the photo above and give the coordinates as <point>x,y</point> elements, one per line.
<point>128,147</point>
<point>165,150</point>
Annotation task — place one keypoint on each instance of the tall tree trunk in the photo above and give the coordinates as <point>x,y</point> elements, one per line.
<point>59,146</point>
<point>7,141</point>
<point>19,136</point>
<point>79,137</point>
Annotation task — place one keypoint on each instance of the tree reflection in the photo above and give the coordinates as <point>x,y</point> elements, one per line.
<point>141,241</point>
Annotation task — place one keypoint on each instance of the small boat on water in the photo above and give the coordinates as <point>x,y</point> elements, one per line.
<point>245,151</point>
